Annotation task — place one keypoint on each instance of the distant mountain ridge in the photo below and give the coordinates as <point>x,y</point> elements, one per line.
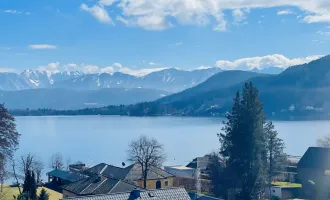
<point>172,80</point>
<point>300,92</point>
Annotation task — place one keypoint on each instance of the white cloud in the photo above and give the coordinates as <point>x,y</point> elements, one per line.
<point>275,60</point>
<point>98,12</point>
<point>117,67</point>
<point>89,69</point>
<point>238,15</point>
<point>179,43</point>
<point>285,12</point>
<point>12,11</point>
<point>317,18</point>
<point>50,67</point>
<point>121,19</point>
<point>107,2</point>
<point>42,46</point>
<point>163,14</point>
<point>153,63</point>
<point>8,70</point>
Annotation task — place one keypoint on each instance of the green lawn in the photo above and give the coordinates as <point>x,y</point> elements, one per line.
<point>8,193</point>
<point>286,184</point>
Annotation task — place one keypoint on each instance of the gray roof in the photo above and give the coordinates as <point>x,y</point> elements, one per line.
<point>99,185</point>
<point>162,194</point>
<point>132,172</point>
<point>315,157</point>
<point>202,162</point>
<point>66,175</point>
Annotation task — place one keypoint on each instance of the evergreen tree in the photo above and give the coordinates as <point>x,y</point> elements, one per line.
<point>43,195</point>
<point>30,185</point>
<point>243,144</point>
<point>33,188</point>
<point>27,182</point>
<point>275,155</point>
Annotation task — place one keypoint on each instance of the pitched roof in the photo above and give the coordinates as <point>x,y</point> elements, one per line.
<point>98,185</point>
<point>201,161</point>
<point>66,175</point>
<point>315,157</point>
<point>162,194</point>
<point>132,172</point>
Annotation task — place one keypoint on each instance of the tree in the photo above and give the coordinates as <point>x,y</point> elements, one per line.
<point>323,141</point>
<point>220,180</point>
<point>243,144</point>
<point>146,152</point>
<point>57,161</point>
<point>31,162</point>
<point>30,185</point>
<point>275,155</point>
<point>43,195</point>
<point>8,133</point>
<point>8,140</point>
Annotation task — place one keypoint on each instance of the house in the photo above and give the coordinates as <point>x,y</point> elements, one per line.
<point>314,172</point>
<point>61,177</point>
<point>97,184</point>
<point>285,192</point>
<point>181,171</point>
<point>160,194</point>
<point>157,178</point>
<point>201,163</point>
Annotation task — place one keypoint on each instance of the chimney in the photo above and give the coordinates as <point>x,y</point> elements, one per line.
<point>135,194</point>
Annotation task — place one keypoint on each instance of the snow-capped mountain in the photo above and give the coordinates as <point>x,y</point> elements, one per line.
<point>31,79</point>
<point>172,80</point>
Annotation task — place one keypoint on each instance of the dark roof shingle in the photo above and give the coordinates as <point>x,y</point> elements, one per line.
<point>98,185</point>
<point>132,172</point>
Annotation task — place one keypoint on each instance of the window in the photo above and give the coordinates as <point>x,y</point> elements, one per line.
<point>166,183</point>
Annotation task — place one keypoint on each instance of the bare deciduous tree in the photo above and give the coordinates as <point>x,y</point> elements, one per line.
<point>32,163</point>
<point>57,161</point>
<point>323,141</point>
<point>146,152</point>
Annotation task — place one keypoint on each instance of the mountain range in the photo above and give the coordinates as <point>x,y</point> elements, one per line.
<point>171,80</point>
<point>299,92</point>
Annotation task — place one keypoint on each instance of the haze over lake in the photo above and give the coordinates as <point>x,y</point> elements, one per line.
<point>95,139</point>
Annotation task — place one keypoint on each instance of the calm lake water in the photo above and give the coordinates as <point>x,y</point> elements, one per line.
<point>95,139</point>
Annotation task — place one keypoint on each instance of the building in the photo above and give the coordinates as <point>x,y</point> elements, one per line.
<point>161,194</point>
<point>181,171</point>
<point>61,177</point>
<point>97,184</point>
<point>314,172</point>
<point>201,163</point>
<point>285,192</point>
<point>157,177</point>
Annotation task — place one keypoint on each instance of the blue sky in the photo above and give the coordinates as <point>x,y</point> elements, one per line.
<point>134,35</point>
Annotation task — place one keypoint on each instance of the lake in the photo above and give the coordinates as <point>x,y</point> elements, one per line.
<point>95,139</point>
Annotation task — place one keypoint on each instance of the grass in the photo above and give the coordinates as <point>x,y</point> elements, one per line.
<point>286,184</point>
<point>8,193</point>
